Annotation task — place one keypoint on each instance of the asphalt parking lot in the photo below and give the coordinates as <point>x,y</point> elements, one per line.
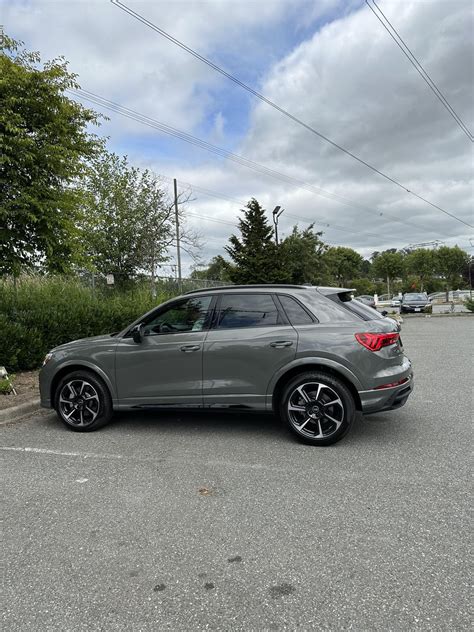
<point>224,522</point>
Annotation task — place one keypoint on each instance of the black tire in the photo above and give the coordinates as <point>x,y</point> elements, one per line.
<point>92,402</point>
<point>311,418</point>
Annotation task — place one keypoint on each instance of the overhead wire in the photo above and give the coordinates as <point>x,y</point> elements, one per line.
<point>280,109</point>
<point>241,160</point>
<point>391,30</point>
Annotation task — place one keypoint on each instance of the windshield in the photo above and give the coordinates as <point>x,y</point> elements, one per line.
<point>415,297</point>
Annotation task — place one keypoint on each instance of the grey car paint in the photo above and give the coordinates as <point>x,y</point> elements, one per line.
<point>237,367</point>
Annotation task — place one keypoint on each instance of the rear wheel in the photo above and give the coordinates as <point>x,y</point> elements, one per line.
<point>83,402</point>
<point>318,408</point>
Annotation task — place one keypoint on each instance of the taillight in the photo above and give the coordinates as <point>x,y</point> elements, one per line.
<point>375,342</point>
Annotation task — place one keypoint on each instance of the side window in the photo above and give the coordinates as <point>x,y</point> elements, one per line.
<point>296,313</point>
<point>190,314</point>
<point>247,310</point>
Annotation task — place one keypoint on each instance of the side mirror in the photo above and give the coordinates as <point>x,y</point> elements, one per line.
<point>137,333</point>
<point>384,313</point>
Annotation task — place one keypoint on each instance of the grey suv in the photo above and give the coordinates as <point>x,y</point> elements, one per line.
<point>310,354</point>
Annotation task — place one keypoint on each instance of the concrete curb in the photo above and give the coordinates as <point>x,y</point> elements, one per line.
<point>15,412</point>
<point>447,314</point>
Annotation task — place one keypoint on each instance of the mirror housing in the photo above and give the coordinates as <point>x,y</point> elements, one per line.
<point>137,333</point>
<point>384,313</point>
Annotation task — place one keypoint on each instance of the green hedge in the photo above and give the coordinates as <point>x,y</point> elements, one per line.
<point>46,312</point>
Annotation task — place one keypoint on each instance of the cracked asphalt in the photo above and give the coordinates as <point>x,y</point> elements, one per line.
<point>224,522</point>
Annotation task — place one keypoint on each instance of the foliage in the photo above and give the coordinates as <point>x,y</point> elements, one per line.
<point>128,219</point>
<point>364,286</point>
<point>421,262</point>
<point>7,384</point>
<point>254,254</point>
<point>44,145</point>
<point>343,264</point>
<point>301,256</point>
<point>388,265</point>
<point>469,303</point>
<point>218,269</point>
<point>450,262</point>
<point>46,312</point>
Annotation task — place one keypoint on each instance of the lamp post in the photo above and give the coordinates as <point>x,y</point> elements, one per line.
<point>277,211</point>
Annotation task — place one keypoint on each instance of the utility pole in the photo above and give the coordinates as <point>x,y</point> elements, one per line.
<point>276,214</point>
<point>178,245</point>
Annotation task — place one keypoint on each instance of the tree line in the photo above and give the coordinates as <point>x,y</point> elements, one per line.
<point>67,205</point>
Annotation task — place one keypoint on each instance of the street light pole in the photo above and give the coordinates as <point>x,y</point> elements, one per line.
<point>276,214</point>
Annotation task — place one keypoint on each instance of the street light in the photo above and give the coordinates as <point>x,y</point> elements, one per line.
<point>276,214</point>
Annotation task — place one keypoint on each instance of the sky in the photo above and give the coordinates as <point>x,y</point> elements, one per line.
<point>328,62</point>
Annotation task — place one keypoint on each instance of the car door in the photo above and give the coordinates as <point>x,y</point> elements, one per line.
<point>249,340</point>
<point>166,367</point>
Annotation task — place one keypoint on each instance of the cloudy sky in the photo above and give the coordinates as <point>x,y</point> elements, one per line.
<point>328,62</point>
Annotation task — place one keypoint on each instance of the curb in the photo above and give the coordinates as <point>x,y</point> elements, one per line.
<point>15,412</point>
<point>440,315</point>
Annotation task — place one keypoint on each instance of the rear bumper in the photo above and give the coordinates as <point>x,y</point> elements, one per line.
<point>378,400</point>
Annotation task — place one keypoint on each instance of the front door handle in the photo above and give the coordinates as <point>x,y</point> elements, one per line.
<point>279,344</point>
<point>190,348</point>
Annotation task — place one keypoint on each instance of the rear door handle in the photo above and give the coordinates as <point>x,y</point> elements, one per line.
<point>279,344</point>
<point>190,348</point>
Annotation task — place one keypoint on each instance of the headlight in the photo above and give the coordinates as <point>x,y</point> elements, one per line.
<point>47,358</point>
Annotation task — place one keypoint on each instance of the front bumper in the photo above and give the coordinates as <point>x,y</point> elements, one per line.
<point>378,400</point>
<point>411,309</point>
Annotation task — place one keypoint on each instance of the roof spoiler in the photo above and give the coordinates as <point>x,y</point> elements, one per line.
<point>330,291</point>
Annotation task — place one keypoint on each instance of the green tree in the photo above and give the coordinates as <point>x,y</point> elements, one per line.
<point>254,254</point>
<point>218,269</point>
<point>388,265</point>
<point>44,147</point>
<point>301,255</point>
<point>450,263</point>
<point>342,264</point>
<point>129,220</point>
<point>421,263</point>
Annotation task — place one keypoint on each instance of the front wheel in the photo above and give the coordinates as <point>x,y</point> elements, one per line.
<point>318,408</point>
<point>82,401</point>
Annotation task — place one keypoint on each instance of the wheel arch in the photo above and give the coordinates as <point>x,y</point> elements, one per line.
<point>78,366</point>
<point>313,366</point>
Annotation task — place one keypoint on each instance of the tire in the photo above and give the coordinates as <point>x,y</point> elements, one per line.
<point>82,401</point>
<point>304,405</point>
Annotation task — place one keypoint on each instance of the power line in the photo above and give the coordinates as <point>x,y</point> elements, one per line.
<point>241,160</point>
<point>272,104</point>
<point>391,30</point>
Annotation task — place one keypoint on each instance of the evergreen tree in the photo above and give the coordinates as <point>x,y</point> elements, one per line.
<point>254,254</point>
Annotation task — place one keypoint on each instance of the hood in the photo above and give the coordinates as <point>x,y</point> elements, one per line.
<point>84,341</point>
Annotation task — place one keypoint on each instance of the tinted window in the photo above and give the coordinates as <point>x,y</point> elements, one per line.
<point>356,307</point>
<point>296,313</point>
<point>327,310</point>
<point>190,314</point>
<point>247,310</point>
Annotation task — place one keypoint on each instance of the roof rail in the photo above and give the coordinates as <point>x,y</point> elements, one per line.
<point>251,286</point>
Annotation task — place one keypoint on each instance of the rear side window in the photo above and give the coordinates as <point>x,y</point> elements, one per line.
<point>247,310</point>
<point>356,307</point>
<point>297,315</point>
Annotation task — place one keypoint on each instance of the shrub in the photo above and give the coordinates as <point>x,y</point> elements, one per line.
<point>46,312</point>
<point>469,303</point>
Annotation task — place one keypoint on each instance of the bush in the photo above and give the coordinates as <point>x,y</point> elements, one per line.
<point>46,312</point>
<point>469,303</point>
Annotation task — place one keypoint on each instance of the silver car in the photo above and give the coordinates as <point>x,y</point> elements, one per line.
<point>310,354</point>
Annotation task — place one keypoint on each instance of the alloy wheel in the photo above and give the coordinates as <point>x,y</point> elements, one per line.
<point>79,403</point>
<point>315,410</point>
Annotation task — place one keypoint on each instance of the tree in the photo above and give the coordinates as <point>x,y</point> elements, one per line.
<point>302,256</point>
<point>449,263</point>
<point>218,269</point>
<point>343,264</point>
<point>420,262</point>
<point>254,253</point>
<point>388,265</point>
<point>44,147</point>
<point>129,220</point>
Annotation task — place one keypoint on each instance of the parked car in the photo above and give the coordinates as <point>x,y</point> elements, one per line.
<point>311,355</point>
<point>366,300</point>
<point>416,302</point>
